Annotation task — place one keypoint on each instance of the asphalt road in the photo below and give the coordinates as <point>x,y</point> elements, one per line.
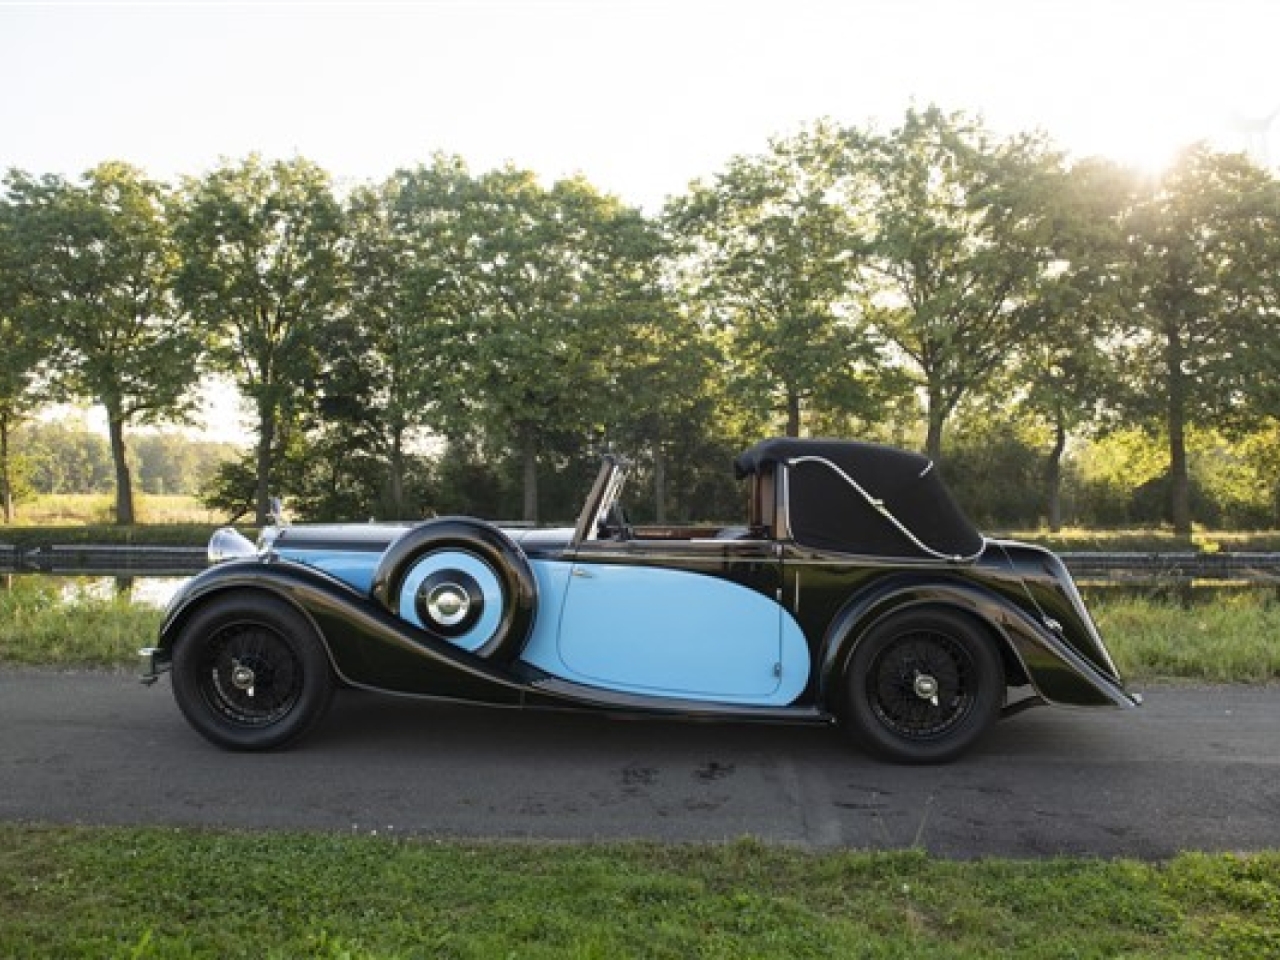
<point>1197,768</point>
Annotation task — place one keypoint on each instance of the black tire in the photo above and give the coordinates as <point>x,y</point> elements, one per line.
<point>249,672</point>
<point>922,686</point>
<point>463,582</point>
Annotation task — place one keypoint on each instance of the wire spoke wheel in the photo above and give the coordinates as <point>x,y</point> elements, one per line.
<point>922,685</point>
<point>250,672</point>
<point>250,675</point>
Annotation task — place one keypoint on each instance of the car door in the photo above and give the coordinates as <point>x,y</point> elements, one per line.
<point>689,619</point>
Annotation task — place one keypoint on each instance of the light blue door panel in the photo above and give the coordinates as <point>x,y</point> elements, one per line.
<point>672,633</point>
<point>540,649</point>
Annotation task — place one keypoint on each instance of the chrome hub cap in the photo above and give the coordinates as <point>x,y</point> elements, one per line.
<point>926,688</point>
<point>448,604</point>
<point>242,678</point>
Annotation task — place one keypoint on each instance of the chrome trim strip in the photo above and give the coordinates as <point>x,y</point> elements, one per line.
<point>624,556</point>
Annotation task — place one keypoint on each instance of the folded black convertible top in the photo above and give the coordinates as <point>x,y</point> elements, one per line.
<point>864,498</point>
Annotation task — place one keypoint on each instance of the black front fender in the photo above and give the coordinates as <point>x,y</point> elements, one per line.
<point>367,645</point>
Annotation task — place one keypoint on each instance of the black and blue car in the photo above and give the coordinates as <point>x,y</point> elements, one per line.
<point>856,593</point>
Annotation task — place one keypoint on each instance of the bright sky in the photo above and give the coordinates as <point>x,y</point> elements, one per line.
<point>641,96</point>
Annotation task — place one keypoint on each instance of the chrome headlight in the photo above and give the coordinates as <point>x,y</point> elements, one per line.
<point>229,544</point>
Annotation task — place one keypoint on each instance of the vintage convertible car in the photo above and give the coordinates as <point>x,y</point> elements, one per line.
<point>855,593</point>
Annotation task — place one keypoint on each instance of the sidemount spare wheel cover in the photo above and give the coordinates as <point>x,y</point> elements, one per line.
<point>464,582</point>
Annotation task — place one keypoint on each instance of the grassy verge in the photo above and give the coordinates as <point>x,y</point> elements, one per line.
<point>46,621</point>
<point>1235,639</point>
<point>144,893</point>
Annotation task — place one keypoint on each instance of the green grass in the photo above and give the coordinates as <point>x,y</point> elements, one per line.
<point>1233,639</point>
<point>142,893</point>
<point>98,509</point>
<point>1152,540</point>
<point>47,621</point>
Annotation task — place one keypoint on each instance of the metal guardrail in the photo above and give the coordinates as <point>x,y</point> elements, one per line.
<point>103,559</point>
<point>1259,569</point>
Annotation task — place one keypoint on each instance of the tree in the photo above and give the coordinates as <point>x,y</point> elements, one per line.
<point>1063,369</point>
<point>673,409</point>
<point>524,300</point>
<point>769,248</point>
<point>1204,254</point>
<point>66,457</point>
<point>262,274</point>
<point>99,263</point>
<point>956,242</point>
<point>381,391</point>
<point>19,360</point>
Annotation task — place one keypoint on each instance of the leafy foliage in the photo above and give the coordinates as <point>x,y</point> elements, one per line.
<point>97,261</point>
<point>262,275</point>
<point>1071,341</point>
<point>956,246</point>
<point>768,249</point>
<point>1205,313</point>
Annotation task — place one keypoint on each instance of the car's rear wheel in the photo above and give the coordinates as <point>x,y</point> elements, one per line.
<point>249,672</point>
<point>922,686</point>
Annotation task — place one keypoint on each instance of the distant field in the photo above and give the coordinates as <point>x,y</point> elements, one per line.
<point>71,509</point>
<point>1149,540</point>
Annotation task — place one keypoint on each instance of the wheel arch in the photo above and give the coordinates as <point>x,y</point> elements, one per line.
<point>983,611</point>
<point>191,606</point>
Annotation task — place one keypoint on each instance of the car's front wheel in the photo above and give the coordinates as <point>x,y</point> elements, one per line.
<point>922,686</point>
<point>249,672</point>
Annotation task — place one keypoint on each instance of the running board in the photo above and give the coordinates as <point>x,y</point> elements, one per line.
<point>562,693</point>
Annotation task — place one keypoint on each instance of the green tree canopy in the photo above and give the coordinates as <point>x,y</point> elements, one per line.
<point>527,298</point>
<point>24,349</point>
<point>956,243</point>
<point>767,251</point>
<point>99,261</point>
<point>1200,340</point>
<point>263,273</point>
<point>1063,372</point>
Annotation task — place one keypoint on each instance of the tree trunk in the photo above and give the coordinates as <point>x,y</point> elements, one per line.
<point>124,482</point>
<point>266,439</point>
<point>395,491</point>
<point>1179,475</point>
<point>1053,478</point>
<point>6,475</point>
<point>793,414</point>
<point>529,456</point>
<point>659,483</point>
<point>936,419</point>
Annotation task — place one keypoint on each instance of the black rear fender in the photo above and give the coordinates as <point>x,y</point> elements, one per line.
<point>1030,651</point>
